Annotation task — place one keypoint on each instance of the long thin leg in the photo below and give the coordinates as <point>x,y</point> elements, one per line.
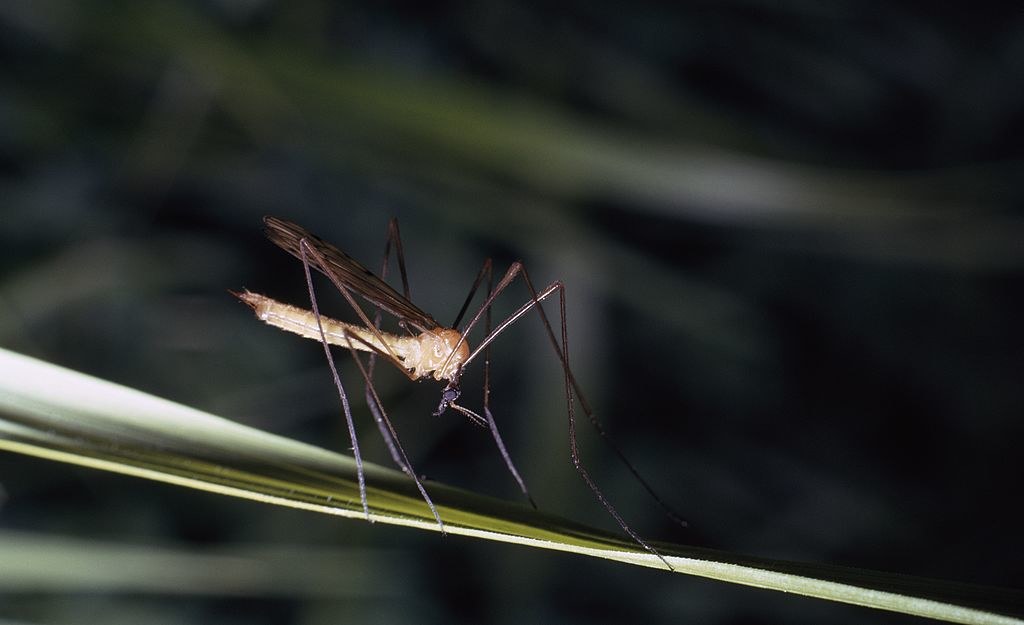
<point>486,272</point>
<point>306,249</point>
<point>360,476</point>
<point>571,386</point>
<point>535,300</point>
<point>395,237</point>
<point>369,392</point>
<point>401,459</point>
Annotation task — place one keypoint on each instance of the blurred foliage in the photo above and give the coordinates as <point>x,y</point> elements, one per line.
<point>790,235</point>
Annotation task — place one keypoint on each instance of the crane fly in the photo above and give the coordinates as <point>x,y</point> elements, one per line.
<point>427,350</point>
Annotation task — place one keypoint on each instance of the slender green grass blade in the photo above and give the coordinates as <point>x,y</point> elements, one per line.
<point>51,412</point>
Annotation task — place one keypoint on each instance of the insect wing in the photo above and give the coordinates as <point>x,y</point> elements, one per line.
<point>348,271</point>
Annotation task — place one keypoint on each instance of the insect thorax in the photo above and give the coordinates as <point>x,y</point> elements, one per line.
<point>426,354</point>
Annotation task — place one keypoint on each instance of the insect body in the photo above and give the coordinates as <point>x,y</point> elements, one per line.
<point>431,353</point>
<point>429,350</point>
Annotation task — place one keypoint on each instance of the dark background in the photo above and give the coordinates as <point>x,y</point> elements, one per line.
<point>790,234</point>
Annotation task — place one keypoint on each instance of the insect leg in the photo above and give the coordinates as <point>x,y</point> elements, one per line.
<point>375,406</point>
<point>402,460</point>
<point>572,388</point>
<point>369,391</point>
<point>360,476</point>
<point>486,273</point>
